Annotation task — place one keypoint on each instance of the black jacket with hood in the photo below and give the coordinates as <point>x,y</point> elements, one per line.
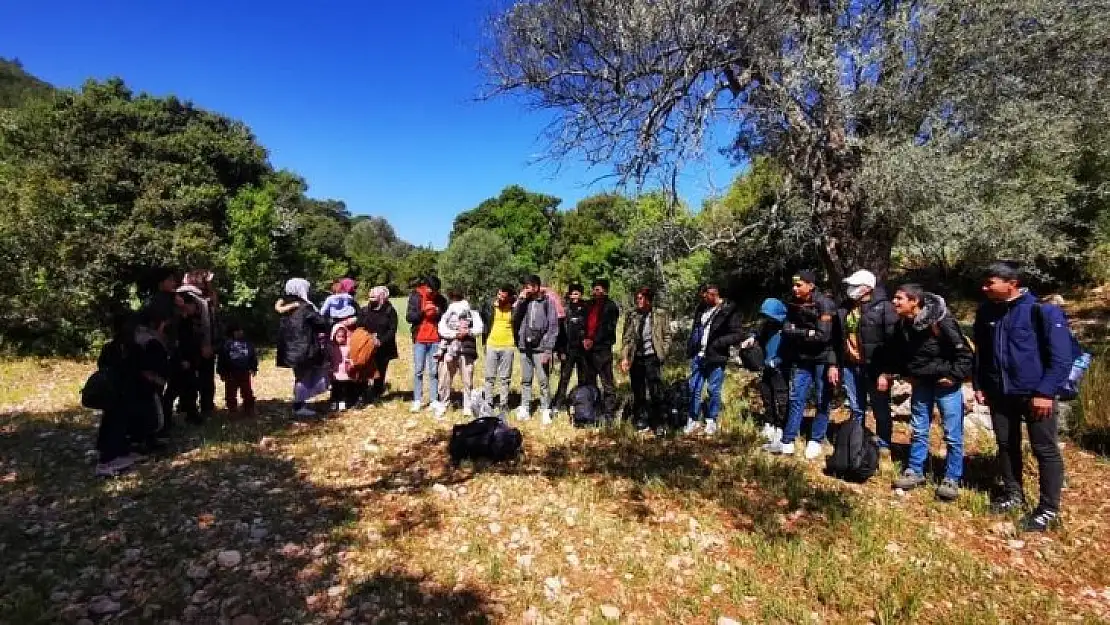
<point>726,329</point>
<point>297,344</point>
<point>930,346</point>
<point>877,322</point>
<point>572,328</point>
<point>809,335</point>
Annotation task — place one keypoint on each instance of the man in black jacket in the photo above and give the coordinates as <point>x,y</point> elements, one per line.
<point>867,319</point>
<point>601,335</point>
<point>717,327</point>
<point>929,349</point>
<point>808,349</point>
<point>572,332</point>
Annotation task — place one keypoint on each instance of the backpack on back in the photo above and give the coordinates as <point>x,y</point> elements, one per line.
<point>585,406</point>
<point>362,348</point>
<point>855,456</point>
<point>488,438</point>
<point>101,390</point>
<point>1081,359</point>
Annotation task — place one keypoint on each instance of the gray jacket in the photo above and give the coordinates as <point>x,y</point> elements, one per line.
<point>536,325</point>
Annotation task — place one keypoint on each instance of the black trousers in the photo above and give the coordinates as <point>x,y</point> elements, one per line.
<point>575,360</point>
<point>181,388</point>
<point>1007,413</point>
<point>600,363</point>
<point>377,387</point>
<point>774,390</point>
<point>111,438</point>
<point>206,383</point>
<point>346,391</point>
<point>647,384</point>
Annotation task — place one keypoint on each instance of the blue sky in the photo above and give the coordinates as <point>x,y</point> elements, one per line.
<point>374,103</point>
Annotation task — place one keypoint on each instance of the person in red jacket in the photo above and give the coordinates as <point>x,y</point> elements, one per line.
<point>426,305</point>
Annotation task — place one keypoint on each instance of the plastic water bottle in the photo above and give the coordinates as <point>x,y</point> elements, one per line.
<point>1078,370</point>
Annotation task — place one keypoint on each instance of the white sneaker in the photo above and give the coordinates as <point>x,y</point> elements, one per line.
<point>522,414</point>
<point>711,427</point>
<point>440,409</point>
<point>467,412</point>
<point>341,406</point>
<point>768,432</point>
<point>691,427</point>
<point>778,447</point>
<point>304,411</point>
<point>545,416</point>
<point>778,435</point>
<point>416,407</point>
<point>813,450</point>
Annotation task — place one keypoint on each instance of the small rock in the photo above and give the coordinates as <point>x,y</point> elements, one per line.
<point>132,555</point>
<point>199,597</point>
<point>551,587</point>
<point>59,597</point>
<point>724,620</point>
<point>441,490</point>
<point>717,589</point>
<point>531,616</point>
<point>573,560</point>
<point>1004,528</point>
<point>103,605</point>
<point>196,571</point>
<point>524,561</point>
<point>611,612</point>
<point>259,532</point>
<point>229,559</point>
<point>335,591</point>
<point>494,528</point>
<point>1016,544</point>
<point>245,619</point>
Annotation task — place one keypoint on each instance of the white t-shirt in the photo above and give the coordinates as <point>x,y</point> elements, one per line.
<point>706,318</point>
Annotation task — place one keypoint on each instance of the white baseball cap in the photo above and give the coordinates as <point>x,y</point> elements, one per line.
<point>862,277</point>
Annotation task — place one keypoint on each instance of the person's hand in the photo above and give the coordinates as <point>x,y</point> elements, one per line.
<point>748,342</point>
<point>223,378</point>
<point>625,365</point>
<point>377,343</point>
<point>588,344</point>
<point>945,383</point>
<point>254,373</point>
<point>981,398</point>
<point>206,351</point>
<point>185,366</point>
<point>545,358</point>
<point>882,383</point>
<point>562,357</point>
<point>1041,408</point>
<point>834,376</point>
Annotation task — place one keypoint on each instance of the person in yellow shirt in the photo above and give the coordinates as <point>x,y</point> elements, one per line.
<point>500,343</point>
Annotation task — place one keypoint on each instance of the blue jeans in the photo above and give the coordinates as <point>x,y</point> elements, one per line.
<point>424,357</point>
<point>950,400</point>
<point>859,386</point>
<point>802,380</point>
<point>700,373</point>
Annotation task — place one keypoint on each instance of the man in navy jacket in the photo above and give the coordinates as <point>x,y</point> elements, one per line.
<point>1024,352</point>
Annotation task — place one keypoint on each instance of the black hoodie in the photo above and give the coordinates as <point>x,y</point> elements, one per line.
<point>876,328</point>
<point>931,345</point>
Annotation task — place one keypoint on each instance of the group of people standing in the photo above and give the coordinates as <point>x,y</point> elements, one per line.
<point>1020,354</point>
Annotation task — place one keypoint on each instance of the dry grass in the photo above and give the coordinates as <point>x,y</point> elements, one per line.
<point>359,518</point>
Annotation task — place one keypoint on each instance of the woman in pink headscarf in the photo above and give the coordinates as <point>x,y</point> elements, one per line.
<point>380,319</point>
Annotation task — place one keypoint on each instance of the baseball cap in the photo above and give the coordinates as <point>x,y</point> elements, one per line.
<point>805,276</point>
<point>862,277</point>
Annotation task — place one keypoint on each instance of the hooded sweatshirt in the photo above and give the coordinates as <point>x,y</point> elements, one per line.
<point>930,346</point>
<point>340,354</point>
<point>769,335</point>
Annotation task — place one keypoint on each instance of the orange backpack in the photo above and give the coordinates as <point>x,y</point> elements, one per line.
<point>362,354</point>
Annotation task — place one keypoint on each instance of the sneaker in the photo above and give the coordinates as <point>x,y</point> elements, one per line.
<point>416,407</point>
<point>467,412</point>
<point>909,480</point>
<point>949,490</point>
<point>341,406</point>
<point>333,407</point>
<point>440,410</point>
<point>1008,503</point>
<point>304,411</point>
<point>779,448</point>
<point>768,432</point>
<point>115,466</point>
<point>813,450</point>
<point>691,426</point>
<point>522,414</point>
<point>1040,521</point>
<point>711,427</point>
<point>545,416</point>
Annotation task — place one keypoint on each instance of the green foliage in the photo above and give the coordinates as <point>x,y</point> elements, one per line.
<point>527,221</point>
<point>477,262</point>
<point>17,86</point>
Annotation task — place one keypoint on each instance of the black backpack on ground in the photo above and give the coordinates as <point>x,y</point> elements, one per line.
<point>585,406</point>
<point>855,456</point>
<point>677,405</point>
<point>488,438</point>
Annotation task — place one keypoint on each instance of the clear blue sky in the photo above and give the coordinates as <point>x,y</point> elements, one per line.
<point>374,103</point>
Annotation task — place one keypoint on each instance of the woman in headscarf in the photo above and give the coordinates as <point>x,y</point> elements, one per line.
<point>380,319</point>
<point>301,340</point>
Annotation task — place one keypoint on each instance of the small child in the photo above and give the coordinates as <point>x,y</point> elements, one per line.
<point>116,360</point>
<point>774,385</point>
<point>342,386</point>
<point>448,349</point>
<point>341,303</point>
<point>238,362</point>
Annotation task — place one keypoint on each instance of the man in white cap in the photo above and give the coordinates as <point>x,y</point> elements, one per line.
<point>868,321</point>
